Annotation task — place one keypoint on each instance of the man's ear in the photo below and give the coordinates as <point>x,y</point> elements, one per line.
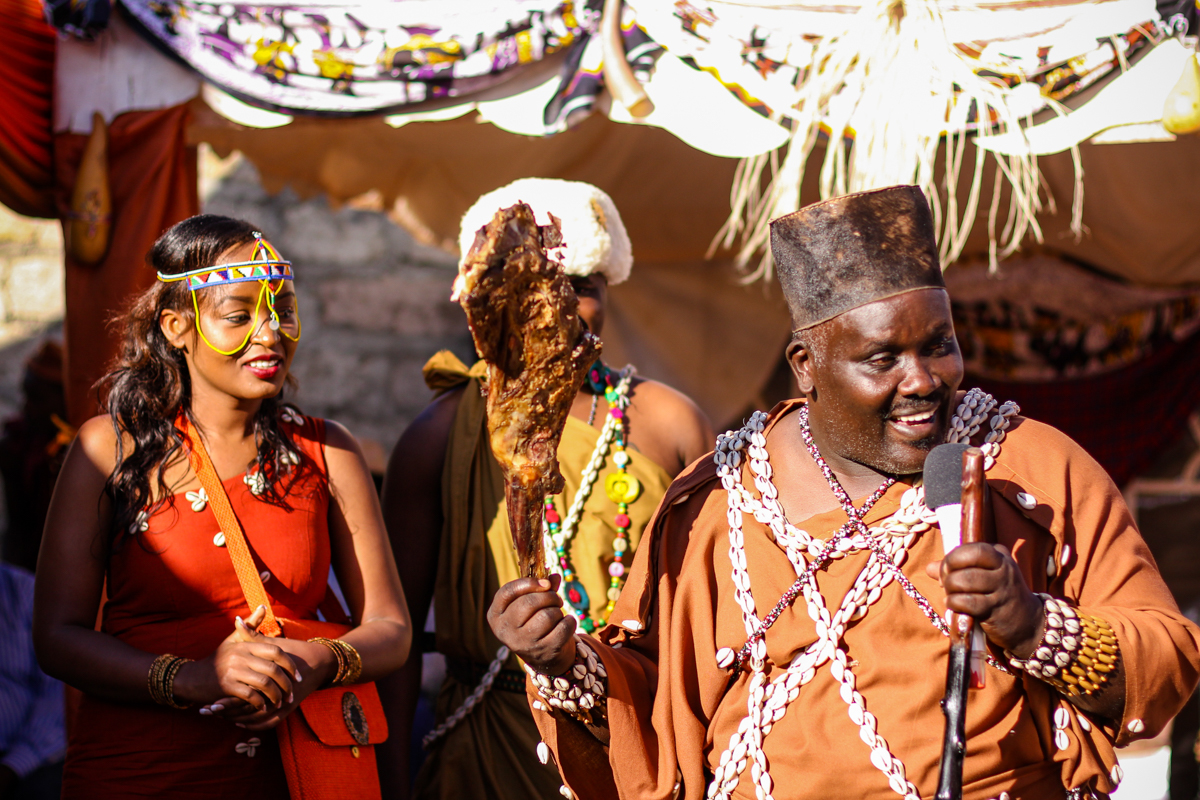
<point>175,327</point>
<point>800,359</point>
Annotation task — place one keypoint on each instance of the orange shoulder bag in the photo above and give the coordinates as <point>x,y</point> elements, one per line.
<point>328,742</point>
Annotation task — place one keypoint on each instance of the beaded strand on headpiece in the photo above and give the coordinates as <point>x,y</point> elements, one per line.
<point>265,266</point>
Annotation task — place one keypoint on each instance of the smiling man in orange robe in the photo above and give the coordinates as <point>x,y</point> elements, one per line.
<point>782,634</point>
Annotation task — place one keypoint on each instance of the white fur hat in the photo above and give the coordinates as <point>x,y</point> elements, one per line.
<point>594,236</point>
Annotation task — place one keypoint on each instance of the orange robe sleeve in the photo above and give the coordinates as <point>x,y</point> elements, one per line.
<point>649,649</point>
<point>1102,565</point>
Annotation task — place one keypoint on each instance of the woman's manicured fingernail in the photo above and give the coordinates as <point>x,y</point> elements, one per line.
<point>238,620</point>
<point>206,711</point>
<point>217,707</point>
<point>299,677</point>
<point>240,725</point>
<point>291,697</point>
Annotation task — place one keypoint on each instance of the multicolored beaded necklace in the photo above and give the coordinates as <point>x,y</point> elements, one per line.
<point>621,487</point>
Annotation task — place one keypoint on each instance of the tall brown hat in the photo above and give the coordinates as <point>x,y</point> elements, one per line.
<point>852,250</point>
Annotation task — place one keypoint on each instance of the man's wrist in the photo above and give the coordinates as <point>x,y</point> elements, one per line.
<point>1023,650</point>
<point>580,691</point>
<point>1076,653</point>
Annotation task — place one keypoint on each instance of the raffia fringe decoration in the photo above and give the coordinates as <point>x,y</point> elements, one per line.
<point>896,85</point>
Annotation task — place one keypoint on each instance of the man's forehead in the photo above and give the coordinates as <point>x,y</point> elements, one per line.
<point>925,310</point>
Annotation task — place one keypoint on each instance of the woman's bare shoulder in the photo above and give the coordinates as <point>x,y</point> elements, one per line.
<point>339,437</point>
<point>97,441</point>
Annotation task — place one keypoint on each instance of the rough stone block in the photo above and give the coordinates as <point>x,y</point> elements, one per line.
<point>410,302</point>
<point>351,238</point>
<point>408,390</point>
<point>34,289</point>
<point>336,379</point>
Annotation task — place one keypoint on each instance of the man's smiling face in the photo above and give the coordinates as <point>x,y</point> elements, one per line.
<point>881,380</point>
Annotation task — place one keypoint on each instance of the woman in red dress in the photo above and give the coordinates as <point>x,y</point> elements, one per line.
<point>207,349</point>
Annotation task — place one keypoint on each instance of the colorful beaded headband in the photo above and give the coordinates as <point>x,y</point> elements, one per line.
<point>265,266</point>
<point>270,268</point>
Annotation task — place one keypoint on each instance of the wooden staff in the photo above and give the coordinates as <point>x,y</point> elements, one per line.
<point>963,635</point>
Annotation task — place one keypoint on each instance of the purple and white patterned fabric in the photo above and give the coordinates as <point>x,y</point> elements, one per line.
<point>344,59</point>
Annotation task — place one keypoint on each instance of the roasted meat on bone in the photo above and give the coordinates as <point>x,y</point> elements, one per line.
<point>524,318</point>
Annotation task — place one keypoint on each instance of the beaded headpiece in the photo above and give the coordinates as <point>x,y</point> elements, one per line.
<point>265,266</point>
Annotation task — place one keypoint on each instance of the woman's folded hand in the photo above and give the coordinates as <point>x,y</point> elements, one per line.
<point>307,666</point>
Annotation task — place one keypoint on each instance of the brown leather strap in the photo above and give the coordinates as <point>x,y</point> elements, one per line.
<point>235,539</point>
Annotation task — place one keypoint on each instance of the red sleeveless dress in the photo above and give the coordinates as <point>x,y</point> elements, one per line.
<point>174,590</point>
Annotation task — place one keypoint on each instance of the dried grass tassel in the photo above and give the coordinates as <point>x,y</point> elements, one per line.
<point>887,92</point>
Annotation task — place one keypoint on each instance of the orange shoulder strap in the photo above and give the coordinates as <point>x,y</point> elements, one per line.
<point>235,539</point>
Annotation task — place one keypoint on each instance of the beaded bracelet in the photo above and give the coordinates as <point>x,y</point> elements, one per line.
<point>348,660</point>
<point>1077,652</point>
<point>580,690</point>
<point>160,680</point>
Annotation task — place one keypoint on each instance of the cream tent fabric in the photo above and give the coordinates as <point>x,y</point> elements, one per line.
<point>679,318</point>
<point>1139,220</point>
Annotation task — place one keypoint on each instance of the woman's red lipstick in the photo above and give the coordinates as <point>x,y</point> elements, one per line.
<point>265,367</point>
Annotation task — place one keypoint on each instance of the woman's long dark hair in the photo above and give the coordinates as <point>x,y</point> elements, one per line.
<point>149,382</point>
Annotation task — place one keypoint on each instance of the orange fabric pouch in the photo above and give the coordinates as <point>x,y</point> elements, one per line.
<point>328,743</point>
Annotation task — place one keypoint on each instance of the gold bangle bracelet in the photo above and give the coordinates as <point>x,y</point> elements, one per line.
<point>354,663</point>
<point>349,661</point>
<point>160,680</point>
<point>337,654</point>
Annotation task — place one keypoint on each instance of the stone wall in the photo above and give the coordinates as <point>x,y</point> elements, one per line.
<point>374,304</point>
<point>31,297</point>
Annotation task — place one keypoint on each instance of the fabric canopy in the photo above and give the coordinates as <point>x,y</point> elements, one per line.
<point>671,196</point>
<point>1139,208</point>
<point>338,59</point>
<point>721,76</point>
<point>764,49</point>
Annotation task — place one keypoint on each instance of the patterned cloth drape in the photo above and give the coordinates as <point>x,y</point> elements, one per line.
<point>762,50</point>
<point>26,108</point>
<point>1125,418</point>
<point>1003,341</point>
<point>1042,317</point>
<point>337,59</point>
<point>1115,366</point>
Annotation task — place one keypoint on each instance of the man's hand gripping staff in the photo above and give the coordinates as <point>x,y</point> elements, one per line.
<point>986,596</point>
<point>956,490</point>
